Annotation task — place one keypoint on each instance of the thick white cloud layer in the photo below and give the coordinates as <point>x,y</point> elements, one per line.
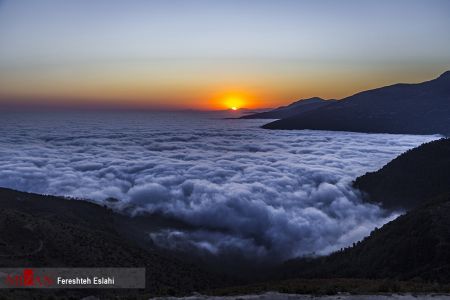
<point>263,193</point>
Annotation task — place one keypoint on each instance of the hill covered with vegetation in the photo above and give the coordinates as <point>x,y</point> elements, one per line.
<point>411,178</point>
<point>46,231</point>
<point>415,246</point>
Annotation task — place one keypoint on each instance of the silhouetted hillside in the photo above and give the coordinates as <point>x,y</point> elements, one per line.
<point>296,108</point>
<point>422,108</point>
<point>47,231</point>
<point>414,246</point>
<point>416,175</point>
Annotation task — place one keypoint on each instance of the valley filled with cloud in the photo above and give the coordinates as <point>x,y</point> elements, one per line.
<point>241,189</point>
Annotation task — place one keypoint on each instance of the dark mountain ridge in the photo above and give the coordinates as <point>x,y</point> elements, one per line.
<point>422,108</point>
<point>415,246</point>
<point>47,231</point>
<point>295,108</point>
<point>414,176</point>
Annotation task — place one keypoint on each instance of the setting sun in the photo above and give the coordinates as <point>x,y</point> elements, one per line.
<point>233,102</point>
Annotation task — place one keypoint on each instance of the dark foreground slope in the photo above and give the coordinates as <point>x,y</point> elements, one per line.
<point>297,108</point>
<point>414,246</point>
<point>422,108</point>
<point>409,179</point>
<point>46,231</point>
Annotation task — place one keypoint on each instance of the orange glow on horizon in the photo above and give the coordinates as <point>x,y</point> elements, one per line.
<point>86,88</point>
<point>234,102</point>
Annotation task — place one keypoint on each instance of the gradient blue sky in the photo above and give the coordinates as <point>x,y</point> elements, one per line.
<point>207,54</point>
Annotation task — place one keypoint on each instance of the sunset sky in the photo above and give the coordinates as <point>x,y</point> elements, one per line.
<point>205,54</point>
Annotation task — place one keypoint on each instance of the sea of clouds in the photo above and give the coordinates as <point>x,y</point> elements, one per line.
<point>242,189</point>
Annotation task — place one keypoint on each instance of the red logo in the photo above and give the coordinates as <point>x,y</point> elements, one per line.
<point>29,279</point>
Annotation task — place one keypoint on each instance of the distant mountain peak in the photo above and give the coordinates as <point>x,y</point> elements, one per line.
<point>298,107</point>
<point>445,75</point>
<point>310,99</point>
<point>307,100</point>
<point>313,98</point>
<point>415,108</point>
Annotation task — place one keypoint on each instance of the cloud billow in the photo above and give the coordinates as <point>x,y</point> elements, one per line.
<point>273,194</point>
